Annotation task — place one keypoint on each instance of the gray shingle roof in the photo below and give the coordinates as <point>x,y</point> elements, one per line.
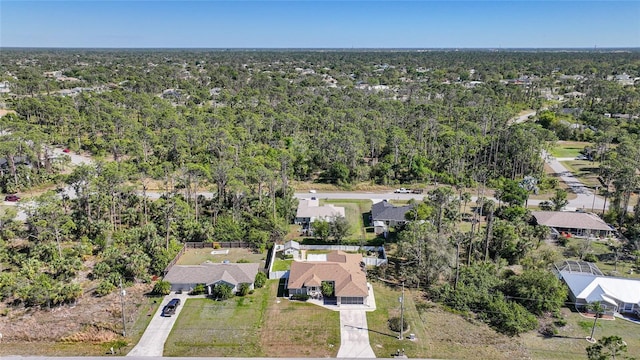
<point>384,211</point>
<point>211,273</point>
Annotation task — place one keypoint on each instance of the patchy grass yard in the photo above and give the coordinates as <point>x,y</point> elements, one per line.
<point>145,311</point>
<point>439,334</point>
<point>199,256</point>
<point>256,325</point>
<point>564,149</point>
<point>570,342</point>
<point>586,171</point>
<point>218,328</point>
<point>297,329</point>
<point>383,340</point>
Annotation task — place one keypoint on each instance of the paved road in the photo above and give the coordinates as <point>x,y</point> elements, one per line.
<point>585,199</point>
<point>522,118</point>
<point>354,335</point>
<point>152,341</point>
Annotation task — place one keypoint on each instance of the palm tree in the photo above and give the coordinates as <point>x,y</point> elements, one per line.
<point>466,197</point>
<point>598,310</point>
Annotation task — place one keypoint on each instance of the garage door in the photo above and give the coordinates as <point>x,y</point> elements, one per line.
<point>351,300</point>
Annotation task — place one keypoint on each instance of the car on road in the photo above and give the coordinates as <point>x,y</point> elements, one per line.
<point>12,198</point>
<point>66,151</point>
<point>402,191</point>
<point>171,307</point>
<point>312,191</point>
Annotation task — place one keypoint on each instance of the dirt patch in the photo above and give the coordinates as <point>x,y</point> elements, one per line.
<point>4,112</point>
<point>91,320</point>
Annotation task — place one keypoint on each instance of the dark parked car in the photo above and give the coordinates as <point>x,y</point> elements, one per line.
<point>171,307</point>
<point>12,198</point>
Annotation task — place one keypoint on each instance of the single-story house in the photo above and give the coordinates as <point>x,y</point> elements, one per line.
<point>575,223</point>
<point>345,271</point>
<point>309,210</point>
<point>291,247</point>
<point>384,215</point>
<point>186,277</point>
<point>615,294</point>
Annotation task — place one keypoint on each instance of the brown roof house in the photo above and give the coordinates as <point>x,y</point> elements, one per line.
<point>344,271</point>
<point>580,224</point>
<point>186,277</point>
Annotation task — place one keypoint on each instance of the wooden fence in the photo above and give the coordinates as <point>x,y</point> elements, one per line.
<point>175,260</point>
<point>213,245</point>
<point>203,245</point>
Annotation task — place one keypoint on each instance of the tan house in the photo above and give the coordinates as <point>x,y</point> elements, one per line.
<point>575,223</point>
<point>345,271</point>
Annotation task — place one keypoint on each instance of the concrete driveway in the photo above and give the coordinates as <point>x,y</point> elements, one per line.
<point>354,335</point>
<point>152,341</point>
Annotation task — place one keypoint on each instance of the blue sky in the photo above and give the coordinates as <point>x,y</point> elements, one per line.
<point>320,24</point>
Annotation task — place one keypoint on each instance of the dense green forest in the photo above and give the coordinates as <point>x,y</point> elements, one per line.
<point>244,124</point>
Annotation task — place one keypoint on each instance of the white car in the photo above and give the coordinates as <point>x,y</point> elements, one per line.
<point>402,191</point>
<point>312,191</point>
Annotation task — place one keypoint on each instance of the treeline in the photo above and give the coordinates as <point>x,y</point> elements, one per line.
<point>242,125</point>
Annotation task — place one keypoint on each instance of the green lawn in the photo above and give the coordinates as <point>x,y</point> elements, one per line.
<point>258,325</point>
<point>570,342</point>
<point>199,256</point>
<point>571,149</point>
<point>357,213</point>
<point>281,265</point>
<point>353,213</point>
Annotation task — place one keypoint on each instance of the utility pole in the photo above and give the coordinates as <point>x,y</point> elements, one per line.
<point>593,204</point>
<point>401,313</point>
<point>122,294</point>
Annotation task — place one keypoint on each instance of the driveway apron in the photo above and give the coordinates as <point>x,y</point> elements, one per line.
<point>354,335</point>
<point>152,341</point>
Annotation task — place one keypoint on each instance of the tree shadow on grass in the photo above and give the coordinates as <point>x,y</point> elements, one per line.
<point>564,337</point>
<point>373,331</point>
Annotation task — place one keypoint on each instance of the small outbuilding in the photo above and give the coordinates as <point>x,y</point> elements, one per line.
<point>292,248</point>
